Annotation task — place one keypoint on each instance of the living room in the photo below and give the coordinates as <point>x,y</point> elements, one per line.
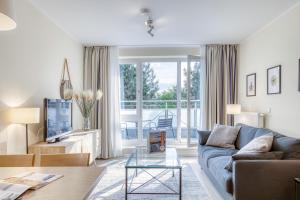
<point>128,99</point>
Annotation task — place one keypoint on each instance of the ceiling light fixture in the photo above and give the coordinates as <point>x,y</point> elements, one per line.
<point>149,21</point>
<point>7,15</point>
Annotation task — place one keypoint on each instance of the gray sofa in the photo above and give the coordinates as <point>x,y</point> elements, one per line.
<point>252,179</point>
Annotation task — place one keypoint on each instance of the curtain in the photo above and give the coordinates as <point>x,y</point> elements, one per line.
<point>220,83</point>
<point>101,71</point>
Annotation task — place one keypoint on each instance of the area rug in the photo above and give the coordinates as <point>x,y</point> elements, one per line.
<point>112,185</point>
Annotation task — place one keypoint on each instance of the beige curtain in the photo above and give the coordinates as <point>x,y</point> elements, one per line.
<point>220,83</point>
<point>101,72</point>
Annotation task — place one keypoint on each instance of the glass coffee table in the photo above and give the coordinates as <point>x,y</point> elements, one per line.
<point>153,167</point>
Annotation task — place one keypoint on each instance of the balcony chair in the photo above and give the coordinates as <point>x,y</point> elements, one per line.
<point>165,123</point>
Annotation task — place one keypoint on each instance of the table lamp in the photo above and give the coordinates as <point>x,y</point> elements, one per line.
<point>233,109</point>
<point>25,116</point>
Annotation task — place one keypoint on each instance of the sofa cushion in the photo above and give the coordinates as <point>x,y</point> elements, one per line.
<point>290,146</point>
<point>272,155</point>
<point>203,136</point>
<point>223,136</point>
<point>207,152</point>
<point>248,133</point>
<point>216,167</point>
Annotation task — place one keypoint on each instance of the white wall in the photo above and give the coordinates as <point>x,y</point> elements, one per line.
<point>137,52</point>
<point>276,44</point>
<point>31,61</point>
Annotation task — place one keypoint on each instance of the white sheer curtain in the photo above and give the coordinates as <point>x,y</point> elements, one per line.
<point>203,108</point>
<point>101,71</point>
<point>114,101</point>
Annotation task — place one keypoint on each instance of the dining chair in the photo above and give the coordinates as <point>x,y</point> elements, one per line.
<point>64,160</point>
<point>17,160</point>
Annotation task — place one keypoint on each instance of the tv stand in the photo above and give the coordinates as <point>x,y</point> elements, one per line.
<point>78,141</point>
<point>55,140</point>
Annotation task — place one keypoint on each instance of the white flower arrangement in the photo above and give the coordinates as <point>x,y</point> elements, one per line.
<point>86,101</point>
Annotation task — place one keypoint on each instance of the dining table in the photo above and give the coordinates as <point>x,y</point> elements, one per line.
<point>76,183</point>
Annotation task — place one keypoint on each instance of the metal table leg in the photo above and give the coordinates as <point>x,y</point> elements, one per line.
<point>126,176</point>
<point>180,179</point>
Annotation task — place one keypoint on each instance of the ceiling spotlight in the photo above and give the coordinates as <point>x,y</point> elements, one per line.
<point>149,21</point>
<point>150,26</point>
<point>150,32</point>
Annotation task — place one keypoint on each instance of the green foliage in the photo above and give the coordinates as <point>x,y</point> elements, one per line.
<point>151,85</point>
<point>128,82</point>
<point>169,94</point>
<point>195,83</point>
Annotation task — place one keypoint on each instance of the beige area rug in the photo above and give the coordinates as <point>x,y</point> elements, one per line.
<point>112,185</point>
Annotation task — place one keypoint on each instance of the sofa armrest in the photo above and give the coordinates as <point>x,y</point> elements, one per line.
<point>203,136</point>
<point>265,179</point>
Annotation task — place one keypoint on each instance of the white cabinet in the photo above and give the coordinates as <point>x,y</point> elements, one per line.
<point>77,142</point>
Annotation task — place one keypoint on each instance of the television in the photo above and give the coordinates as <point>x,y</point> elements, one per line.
<point>58,119</point>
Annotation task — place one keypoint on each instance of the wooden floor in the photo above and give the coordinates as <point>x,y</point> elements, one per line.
<point>213,193</point>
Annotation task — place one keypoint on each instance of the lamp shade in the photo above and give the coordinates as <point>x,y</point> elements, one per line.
<point>24,115</point>
<point>233,109</point>
<point>7,15</point>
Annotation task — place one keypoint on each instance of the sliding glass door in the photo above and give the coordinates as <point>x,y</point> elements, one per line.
<point>129,101</point>
<point>193,98</point>
<point>159,101</point>
<point>160,92</point>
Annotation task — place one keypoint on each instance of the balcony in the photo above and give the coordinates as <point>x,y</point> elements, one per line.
<point>152,111</point>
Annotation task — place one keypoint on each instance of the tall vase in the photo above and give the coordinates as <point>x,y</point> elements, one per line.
<point>86,123</point>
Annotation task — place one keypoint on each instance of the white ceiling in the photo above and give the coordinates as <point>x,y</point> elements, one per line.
<point>177,22</point>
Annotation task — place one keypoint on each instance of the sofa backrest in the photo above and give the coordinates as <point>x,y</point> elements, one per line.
<point>290,146</point>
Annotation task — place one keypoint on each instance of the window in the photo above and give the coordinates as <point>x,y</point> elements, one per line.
<point>159,89</point>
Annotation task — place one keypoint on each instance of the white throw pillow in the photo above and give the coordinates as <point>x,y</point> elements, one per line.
<point>260,144</point>
<point>223,136</point>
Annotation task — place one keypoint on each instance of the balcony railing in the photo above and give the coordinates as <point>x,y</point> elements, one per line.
<point>154,109</point>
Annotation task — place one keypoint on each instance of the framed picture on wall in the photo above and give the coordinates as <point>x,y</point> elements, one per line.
<point>251,85</point>
<point>274,80</point>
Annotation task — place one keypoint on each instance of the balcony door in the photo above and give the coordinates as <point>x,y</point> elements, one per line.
<point>159,98</point>
<point>156,90</point>
<point>193,98</point>
<point>130,106</point>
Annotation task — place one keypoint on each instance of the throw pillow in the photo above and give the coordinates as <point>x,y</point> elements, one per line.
<point>255,148</point>
<point>223,136</point>
<point>258,145</point>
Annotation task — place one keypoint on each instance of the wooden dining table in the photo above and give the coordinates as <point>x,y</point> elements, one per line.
<point>77,183</point>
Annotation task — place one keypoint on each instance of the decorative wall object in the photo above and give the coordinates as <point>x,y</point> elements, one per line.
<point>274,80</point>
<point>251,85</point>
<point>66,88</point>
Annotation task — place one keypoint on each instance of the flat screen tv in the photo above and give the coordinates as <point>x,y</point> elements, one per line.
<point>58,119</point>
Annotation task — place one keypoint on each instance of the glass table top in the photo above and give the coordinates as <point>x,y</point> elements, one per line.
<point>142,159</point>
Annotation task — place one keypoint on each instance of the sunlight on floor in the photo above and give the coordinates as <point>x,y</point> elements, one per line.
<point>114,181</point>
